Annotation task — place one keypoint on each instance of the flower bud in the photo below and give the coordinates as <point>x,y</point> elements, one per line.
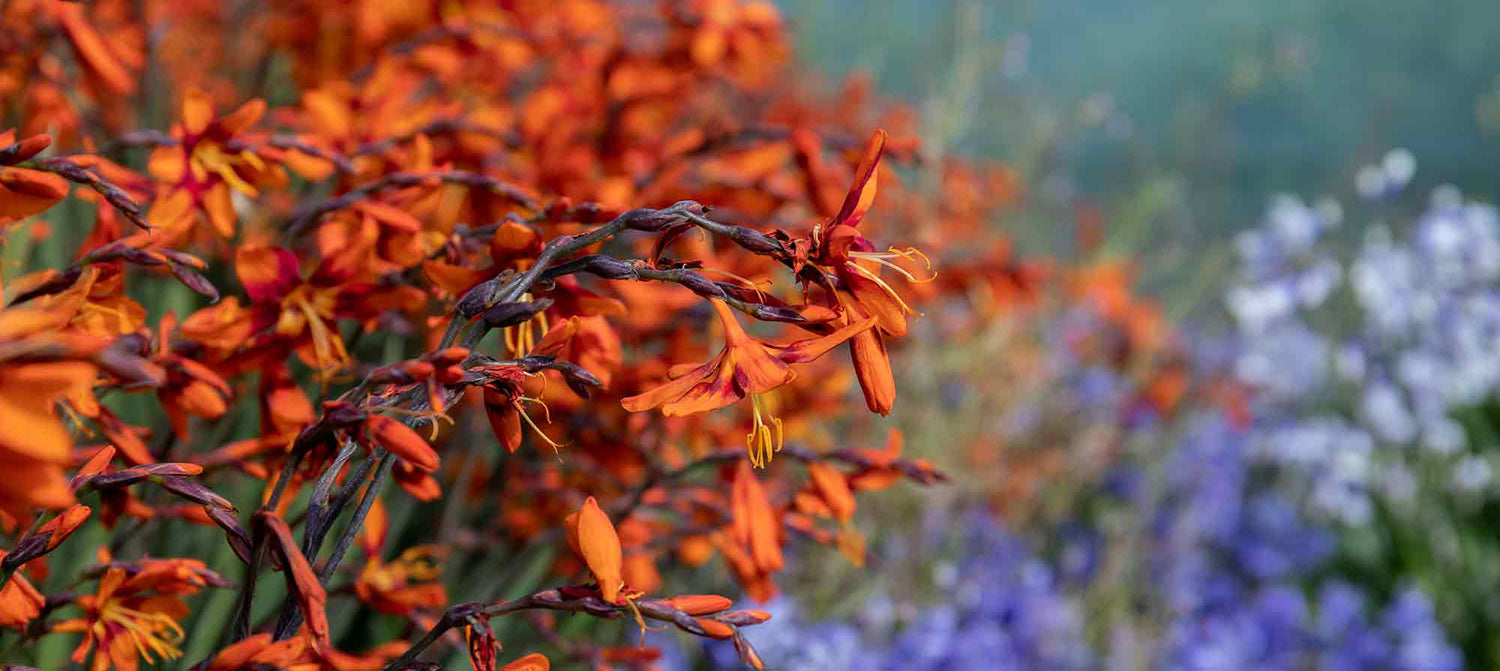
<point>745,618</point>
<point>700,604</point>
<point>402,442</point>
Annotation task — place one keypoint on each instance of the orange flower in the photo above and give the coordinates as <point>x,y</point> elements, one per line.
<point>102,57</point>
<point>593,537</point>
<point>303,313</point>
<point>752,546</point>
<point>122,623</point>
<point>202,168</point>
<point>191,388</point>
<point>404,584</point>
<point>756,524</point>
<point>837,256</point>
<point>744,367</point>
<point>830,484</point>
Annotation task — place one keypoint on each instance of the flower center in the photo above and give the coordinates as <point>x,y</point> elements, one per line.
<point>150,632</point>
<point>308,306</point>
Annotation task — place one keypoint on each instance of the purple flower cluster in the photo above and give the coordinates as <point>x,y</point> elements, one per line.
<point>1361,364</point>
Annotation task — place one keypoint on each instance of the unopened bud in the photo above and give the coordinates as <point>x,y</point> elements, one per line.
<point>745,618</point>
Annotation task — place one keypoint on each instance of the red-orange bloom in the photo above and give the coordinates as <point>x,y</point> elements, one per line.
<point>745,367</point>
<point>303,313</point>
<point>752,546</point>
<point>127,622</point>
<point>206,165</point>
<point>836,251</point>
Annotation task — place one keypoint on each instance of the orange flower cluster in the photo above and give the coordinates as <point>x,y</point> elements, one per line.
<point>261,262</point>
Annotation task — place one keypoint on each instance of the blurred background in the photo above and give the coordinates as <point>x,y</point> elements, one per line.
<point>1247,417</point>
<point>1199,111</point>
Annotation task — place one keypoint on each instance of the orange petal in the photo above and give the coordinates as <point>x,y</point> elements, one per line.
<point>25,192</point>
<point>92,49</point>
<point>242,118</point>
<point>669,392</point>
<point>862,191</point>
<point>505,420</point>
<point>26,397</point>
<point>219,206</point>
<point>197,111</point>
<point>19,602</point>
<point>755,523</point>
<point>390,215</point>
<point>301,579</point>
<point>267,273</point>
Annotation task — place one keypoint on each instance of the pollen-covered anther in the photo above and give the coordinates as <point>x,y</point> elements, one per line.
<point>766,432</point>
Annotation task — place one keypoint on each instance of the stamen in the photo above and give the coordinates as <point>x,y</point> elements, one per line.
<point>328,348</point>
<point>910,254</point>
<point>146,631</point>
<point>761,444</point>
<point>547,416</point>
<point>876,279</point>
<point>883,259</point>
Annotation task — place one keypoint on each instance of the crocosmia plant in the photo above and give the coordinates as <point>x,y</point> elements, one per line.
<point>384,335</point>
